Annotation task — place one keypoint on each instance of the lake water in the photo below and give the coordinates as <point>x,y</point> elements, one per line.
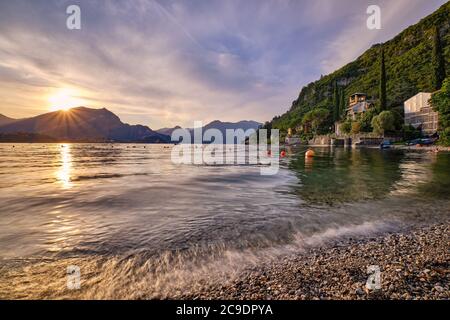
<point>139,226</point>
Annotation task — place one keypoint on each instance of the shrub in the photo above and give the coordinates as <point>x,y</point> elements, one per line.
<point>346,127</point>
<point>366,120</point>
<point>410,133</point>
<point>356,127</point>
<point>383,122</point>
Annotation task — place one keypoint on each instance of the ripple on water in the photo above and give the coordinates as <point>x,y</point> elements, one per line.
<point>140,226</point>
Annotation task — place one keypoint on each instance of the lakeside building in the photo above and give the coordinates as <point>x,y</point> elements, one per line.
<point>420,114</point>
<point>358,104</point>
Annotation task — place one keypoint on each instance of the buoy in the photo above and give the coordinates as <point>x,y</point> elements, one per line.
<point>310,153</point>
<point>269,152</point>
<point>283,154</point>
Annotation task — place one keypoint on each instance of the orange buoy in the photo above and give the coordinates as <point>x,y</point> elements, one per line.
<point>283,154</point>
<point>310,153</point>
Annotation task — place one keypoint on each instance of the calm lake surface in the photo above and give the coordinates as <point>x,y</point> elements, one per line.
<point>139,226</point>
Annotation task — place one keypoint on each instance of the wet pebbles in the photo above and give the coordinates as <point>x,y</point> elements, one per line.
<point>414,264</point>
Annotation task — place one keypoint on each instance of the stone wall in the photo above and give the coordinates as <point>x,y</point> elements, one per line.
<point>350,141</point>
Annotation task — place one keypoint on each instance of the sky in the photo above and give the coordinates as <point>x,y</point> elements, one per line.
<point>163,63</point>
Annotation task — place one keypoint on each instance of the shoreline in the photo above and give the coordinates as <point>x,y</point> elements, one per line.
<point>432,148</point>
<point>422,148</point>
<point>414,264</point>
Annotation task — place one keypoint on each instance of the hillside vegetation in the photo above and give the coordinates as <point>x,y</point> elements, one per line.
<point>408,67</point>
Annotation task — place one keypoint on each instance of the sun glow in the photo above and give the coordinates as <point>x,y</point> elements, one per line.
<point>64,99</point>
<point>64,172</point>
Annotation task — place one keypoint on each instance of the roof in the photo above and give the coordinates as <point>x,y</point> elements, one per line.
<point>360,107</point>
<point>417,95</point>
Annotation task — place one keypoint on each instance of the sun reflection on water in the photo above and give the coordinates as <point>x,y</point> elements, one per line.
<point>63,174</point>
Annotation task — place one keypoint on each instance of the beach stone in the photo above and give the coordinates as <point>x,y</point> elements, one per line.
<point>359,292</point>
<point>439,288</point>
<point>414,266</point>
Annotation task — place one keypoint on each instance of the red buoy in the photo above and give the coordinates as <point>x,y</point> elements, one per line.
<point>310,153</point>
<point>283,154</point>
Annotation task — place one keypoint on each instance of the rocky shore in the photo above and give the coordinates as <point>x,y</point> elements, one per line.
<point>414,264</point>
<point>432,148</point>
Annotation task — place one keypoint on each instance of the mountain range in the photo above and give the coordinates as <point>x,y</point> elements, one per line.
<point>81,124</point>
<point>5,120</point>
<point>84,124</point>
<point>168,131</point>
<point>219,125</point>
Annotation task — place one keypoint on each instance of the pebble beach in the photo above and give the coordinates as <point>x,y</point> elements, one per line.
<point>414,264</point>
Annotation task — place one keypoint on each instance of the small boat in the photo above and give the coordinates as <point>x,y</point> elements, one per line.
<point>386,144</point>
<point>421,142</point>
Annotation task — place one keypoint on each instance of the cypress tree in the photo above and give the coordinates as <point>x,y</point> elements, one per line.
<point>342,104</point>
<point>383,99</point>
<point>336,101</point>
<point>437,61</point>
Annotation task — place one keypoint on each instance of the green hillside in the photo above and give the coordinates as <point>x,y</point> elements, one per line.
<point>408,66</point>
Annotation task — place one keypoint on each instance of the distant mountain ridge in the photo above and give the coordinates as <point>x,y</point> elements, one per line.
<point>222,126</point>
<point>82,124</point>
<point>219,125</point>
<point>5,120</point>
<point>168,131</point>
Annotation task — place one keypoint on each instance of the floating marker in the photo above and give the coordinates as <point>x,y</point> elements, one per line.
<point>310,153</point>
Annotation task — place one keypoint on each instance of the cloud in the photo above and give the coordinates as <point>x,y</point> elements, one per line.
<point>164,63</point>
<point>354,37</point>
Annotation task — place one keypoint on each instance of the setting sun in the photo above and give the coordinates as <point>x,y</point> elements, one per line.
<point>64,99</point>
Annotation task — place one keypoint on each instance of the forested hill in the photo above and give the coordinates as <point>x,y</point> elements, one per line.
<point>408,65</point>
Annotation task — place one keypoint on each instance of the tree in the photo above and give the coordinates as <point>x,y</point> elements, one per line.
<point>267,126</point>
<point>342,104</point>
<point>366,120</point>
<point>315,119</point>
<point>383,98</point>
<point>346,127</point>
<point>383,122</point>
<point>398,119</point>
<point>356,127</point>
<point>336,103</point>
<point>438,61</point>
<point>410,133</point>
<point>440,102</point>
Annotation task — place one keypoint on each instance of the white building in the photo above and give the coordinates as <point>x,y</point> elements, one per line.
<point>420,114</point>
